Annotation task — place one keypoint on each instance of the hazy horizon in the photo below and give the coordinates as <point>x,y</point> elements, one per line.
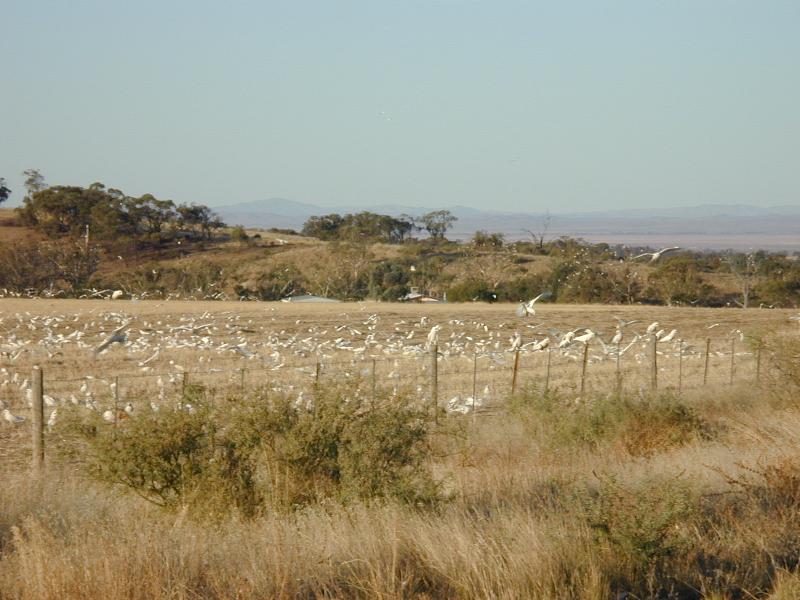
<point>510,106</point>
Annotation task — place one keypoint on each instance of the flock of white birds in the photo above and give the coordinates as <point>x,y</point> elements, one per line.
<point>82,353</point>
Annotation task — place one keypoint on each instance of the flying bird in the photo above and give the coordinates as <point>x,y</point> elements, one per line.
<point>117,337</point>
<point>526,309</point>
<point>655,256</point>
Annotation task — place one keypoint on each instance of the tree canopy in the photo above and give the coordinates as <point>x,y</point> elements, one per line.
<point>437,222</point>
<point>364,226</point>
<point>67,210</point>
<point>4,191</point>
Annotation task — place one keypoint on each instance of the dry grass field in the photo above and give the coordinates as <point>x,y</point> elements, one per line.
<point>618,492</point>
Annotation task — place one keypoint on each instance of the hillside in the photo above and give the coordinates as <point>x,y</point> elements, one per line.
<point>269,265</point>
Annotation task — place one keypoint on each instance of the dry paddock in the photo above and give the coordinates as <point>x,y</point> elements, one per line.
<point>290,347</point>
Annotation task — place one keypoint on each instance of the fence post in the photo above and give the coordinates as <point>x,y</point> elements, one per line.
<point>654,367</point>
<point>37,410</point>
<point>474,381</point>
<point>374,381</point>
<point>547,374</point>
<point>618,372</point>
<point>680,365</point>
<point>317,370</point>
<point>241,379</point>
<point>583,367</point>
<point>184,383</point>
<point>515,372</point>
<point>733,354</point>
<point>705,366</point>
<point>116,400</point>
<point>435,381</point>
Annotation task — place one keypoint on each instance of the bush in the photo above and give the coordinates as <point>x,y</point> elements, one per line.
<point>348,450</point>
<point>259,453</point>
<point>471,290</point>
<point>172,459</point>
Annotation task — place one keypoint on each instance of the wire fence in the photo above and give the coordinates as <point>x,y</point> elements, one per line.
<point>477,383</point>
<point>457,383</point>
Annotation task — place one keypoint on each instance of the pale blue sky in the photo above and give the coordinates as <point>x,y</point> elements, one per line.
<point>504,105</point>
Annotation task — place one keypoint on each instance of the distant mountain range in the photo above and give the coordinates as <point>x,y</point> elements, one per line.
<point>712,226</point>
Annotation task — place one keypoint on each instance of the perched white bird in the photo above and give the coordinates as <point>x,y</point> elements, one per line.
<point>617,337</point>
<point>669,337</point>
<point>13,419</point>
<point>655,256</point>
<point>117,294</point>
<point>51,421</point>
<point>433,336</point>
<point>652,327</point>
<point>586,337</point>
<point>566,340</point>
<point>541,345</point>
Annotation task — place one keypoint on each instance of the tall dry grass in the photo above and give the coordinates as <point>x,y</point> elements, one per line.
<point>692,496</point>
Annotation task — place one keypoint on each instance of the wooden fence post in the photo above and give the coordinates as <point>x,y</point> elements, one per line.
<point>474,381</point>
<point>583,367</point>
<point>374,381</point>
<point>435,381</point>
<point>733,354</point>
<point>37,420</point>
<point>241,379</point>
<point>514,375</point>
<point>317,371</point>
<point>547,374</point>
<point>116,400</point>
<point>680,365</point>
<point>184,383</point>
<point>654,367</point>
<point>705,365</point>
<point>618,372</point>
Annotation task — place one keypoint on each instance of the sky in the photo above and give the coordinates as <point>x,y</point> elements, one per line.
<point>559,106</point>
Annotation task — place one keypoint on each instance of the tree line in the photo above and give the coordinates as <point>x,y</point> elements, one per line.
<point>110,214</point>
<point>372,227</point>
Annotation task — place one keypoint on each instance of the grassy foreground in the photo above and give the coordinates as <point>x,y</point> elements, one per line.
<point>696,496</point>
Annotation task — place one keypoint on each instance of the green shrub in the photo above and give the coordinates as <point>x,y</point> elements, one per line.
<point>262,452</point>
<point>349,449</point>
<point>172,459</point>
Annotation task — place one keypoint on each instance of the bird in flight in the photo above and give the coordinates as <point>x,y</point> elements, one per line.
<point>117,337</point>
<point>655,256</point>
<point>526,309</point>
